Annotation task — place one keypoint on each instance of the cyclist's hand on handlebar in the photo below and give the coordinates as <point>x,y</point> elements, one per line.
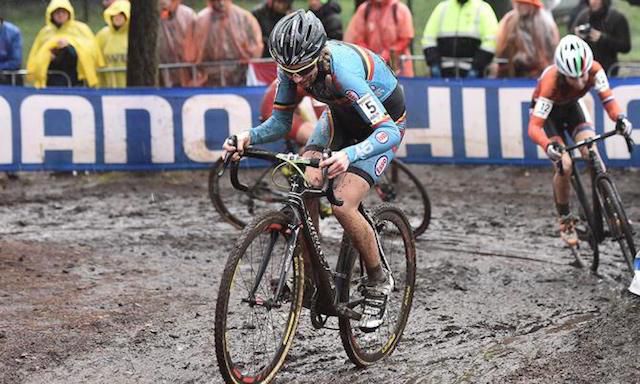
<point>243,142</point>
<point>554,151</point>
<point>623,125</point>
<point>337,163</point>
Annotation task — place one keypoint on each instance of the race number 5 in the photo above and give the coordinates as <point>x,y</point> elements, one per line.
<point>371,108</point>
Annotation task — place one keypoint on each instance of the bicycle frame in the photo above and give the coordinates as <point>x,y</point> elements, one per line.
<point>593,212</point>
<point>327,282</point>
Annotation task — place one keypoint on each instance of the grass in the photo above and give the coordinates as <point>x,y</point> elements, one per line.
<point>29,16</point>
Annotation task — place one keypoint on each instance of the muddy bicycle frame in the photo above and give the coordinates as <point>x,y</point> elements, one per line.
<point>327,282</point>
<point>592,211</point>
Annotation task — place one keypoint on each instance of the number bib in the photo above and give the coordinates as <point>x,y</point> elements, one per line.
<point>371,108</point>
<point>543,107</point>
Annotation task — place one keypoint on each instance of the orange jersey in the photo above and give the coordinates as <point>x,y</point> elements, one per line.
<point>548,93</point>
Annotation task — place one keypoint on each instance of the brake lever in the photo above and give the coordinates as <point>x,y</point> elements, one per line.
<point>630,143</point>
<point>231,140</point>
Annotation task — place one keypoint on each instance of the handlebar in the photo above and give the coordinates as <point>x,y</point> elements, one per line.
<point>593,139</point>
<point>590,140</point>
<point>327,187</point>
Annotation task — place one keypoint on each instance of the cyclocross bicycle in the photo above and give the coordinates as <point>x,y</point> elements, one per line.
<point>398,185</point>
<point>605,201</point>
<point>263,287</point>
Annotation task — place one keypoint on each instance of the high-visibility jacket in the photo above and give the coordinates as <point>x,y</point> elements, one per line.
<point>460,36</point>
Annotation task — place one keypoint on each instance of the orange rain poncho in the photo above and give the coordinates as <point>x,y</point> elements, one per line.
<point>386,28</point>
<point>231,33</point>
<point>527,37</point>
<point>177,22</point>
<point>78,35</point>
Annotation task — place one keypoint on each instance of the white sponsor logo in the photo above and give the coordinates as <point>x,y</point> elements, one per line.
<point>364,149</point>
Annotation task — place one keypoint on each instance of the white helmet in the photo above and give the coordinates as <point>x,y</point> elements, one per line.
<point>573,56</point>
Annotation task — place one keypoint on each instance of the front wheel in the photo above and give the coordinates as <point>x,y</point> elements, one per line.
<point>255,320</point>
<point>617,220</point>
<point>398,246</point>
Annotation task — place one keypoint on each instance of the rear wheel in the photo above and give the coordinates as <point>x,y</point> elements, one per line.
<point>255,326</point>
<point>617,220</point>
<point>398,245</point>
<point>398,185</point>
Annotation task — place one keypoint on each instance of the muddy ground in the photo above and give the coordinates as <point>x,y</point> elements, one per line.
<point>112,278</point>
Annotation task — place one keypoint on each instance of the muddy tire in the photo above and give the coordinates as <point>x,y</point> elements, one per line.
<point>398,244</point>
<point>253,333</point>
<point>619,226</point>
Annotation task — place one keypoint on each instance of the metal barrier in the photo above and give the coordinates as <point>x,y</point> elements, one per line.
<point>193,68</point>
<point>14,74</point>
<point>625,68</point>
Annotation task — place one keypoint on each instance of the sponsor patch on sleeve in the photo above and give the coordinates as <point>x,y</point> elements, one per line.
<point>543,107</point>
<point>371,108</point>
<point>381,164</point>
<point>382,137</point>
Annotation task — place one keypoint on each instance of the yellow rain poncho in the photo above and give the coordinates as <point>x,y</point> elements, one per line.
<point>78,35</point>
<point>113,44</point>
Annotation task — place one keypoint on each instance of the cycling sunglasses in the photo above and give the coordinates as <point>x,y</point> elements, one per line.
<point>302,71</point>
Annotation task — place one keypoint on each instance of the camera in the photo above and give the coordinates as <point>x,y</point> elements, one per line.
<point>583,30</point>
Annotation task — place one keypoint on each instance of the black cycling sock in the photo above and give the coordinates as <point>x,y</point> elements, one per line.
<point>376,273</point>
<point>563,209</point>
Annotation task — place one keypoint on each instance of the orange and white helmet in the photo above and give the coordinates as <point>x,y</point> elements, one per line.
<point>573,56</point>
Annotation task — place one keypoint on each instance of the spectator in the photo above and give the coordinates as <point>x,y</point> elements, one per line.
<point>268,14</point>
<point>606,31</point>
<point>113,41</point>
<point>459,38</point>
<point>10,51</point>
<point>575,11</point>
<point>527,39</point>
<point>224,31</point>
<point>177,22</point>
<point>328,11</point>
<point>386,28</point>
<point>64,44</point>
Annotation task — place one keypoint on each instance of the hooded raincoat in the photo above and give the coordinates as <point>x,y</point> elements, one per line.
<point>79,36</point>
<point>230,34</point>
<point>526,40</point>
<point>177,23</point>
<point>113,44</point>
<point>386,28</point>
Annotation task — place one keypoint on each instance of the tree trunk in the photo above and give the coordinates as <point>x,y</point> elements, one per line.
<point>142,60</point>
